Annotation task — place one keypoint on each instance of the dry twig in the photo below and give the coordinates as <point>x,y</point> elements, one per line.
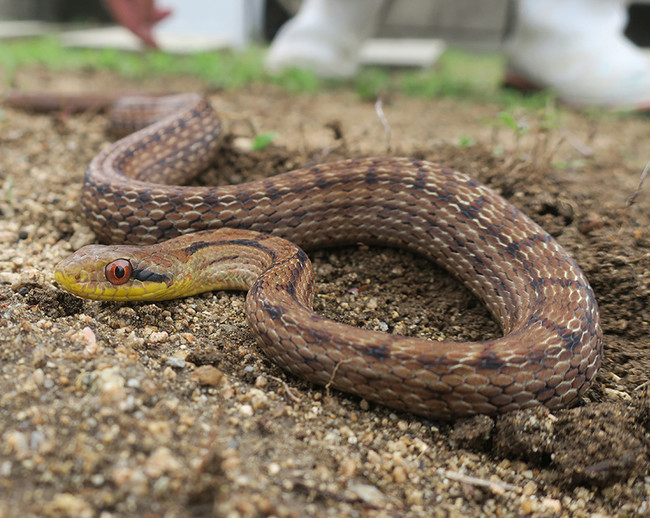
<point>287,389</point>
<point>492,485</point>
<point>379,110</point>
<point>632,199</point>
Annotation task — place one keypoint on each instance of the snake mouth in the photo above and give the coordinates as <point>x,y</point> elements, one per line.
<point>79,284</point>
<point>72,284</point>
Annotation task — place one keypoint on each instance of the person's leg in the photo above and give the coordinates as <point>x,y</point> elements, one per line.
<point>325,36</point>
<point>577,47</point>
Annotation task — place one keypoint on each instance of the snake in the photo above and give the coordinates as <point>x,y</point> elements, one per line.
<point>167,240</point>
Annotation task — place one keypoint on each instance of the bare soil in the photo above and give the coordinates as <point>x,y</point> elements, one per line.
<point>170,409</point>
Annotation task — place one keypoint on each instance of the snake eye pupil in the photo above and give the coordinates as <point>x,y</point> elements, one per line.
<point>119,271</point>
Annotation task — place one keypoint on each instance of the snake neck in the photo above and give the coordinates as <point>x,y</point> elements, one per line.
<point>233,259</point>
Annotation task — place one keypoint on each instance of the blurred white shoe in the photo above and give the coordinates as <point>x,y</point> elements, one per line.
<point>577,48</point>
<point>325,37</point>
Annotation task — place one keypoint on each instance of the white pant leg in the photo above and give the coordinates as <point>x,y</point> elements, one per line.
<point>325,36</point>
<point>577,47</point>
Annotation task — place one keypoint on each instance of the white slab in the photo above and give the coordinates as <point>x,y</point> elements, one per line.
<point>398,52</point>
<point>24,29</point>
<point>122,39</point>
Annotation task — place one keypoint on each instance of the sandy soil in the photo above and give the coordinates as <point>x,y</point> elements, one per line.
<point>170,409</point>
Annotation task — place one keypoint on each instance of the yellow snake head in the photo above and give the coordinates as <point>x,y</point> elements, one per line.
<point>117,273</point>
<point>179,267</point>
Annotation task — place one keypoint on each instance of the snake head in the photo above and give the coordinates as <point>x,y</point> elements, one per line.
<point>117,273</point>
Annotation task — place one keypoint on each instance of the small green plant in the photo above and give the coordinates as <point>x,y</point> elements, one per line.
<point>466,141</point>
<point>539,124</point>
<point>262,141</point>
<point>519,127</point>
<point>577,163</point>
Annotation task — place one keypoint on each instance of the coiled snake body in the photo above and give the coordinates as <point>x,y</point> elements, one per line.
<point>551,347</point>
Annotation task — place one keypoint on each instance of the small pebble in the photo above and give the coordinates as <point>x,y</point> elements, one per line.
<point>207,375</point>
<point>7,236</point>
<point>132,480</point>
<point>399,475</point>
<point>17,443</point>
<point>527,506</point>
<point>230,462</point>
<point>552,504</point>
<point>161,461</point>
<point>369,494</point>
<point>38,376</point>
<point>5,468</point>
<point>176,363</point>
<point>617,394</point>
<point>373,457</point>
<point>133,341</point>
<point>325,270</point>
<point>72,505</point>
<point>415,497</point>
<point>169,374</point>
<point>348,467</point>
<point>188,337</point>
<point>158,337</point>
<point>109,383</point>
<point>90,339</point>
<point>9,278</point>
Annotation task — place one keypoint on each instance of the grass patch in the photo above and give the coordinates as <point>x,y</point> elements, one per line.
<point>458,74</point>
<point>225,69</point>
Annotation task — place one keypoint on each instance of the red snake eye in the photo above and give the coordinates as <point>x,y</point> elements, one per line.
<point>119,271</point>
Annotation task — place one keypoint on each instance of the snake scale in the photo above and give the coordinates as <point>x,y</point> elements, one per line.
<point>551,345</point>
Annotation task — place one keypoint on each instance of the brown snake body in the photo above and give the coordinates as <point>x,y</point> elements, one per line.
<point>552,342</point>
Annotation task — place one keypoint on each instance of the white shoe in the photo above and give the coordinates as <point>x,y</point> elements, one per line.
<point>325,37</point>
<point>577,48</point>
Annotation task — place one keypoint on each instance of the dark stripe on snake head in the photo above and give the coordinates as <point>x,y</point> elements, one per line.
<point>145,275</point>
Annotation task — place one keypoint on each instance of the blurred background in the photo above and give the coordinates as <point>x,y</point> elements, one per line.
<point>466,24</point>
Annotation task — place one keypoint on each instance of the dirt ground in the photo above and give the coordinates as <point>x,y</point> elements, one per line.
<point>170,409</point>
